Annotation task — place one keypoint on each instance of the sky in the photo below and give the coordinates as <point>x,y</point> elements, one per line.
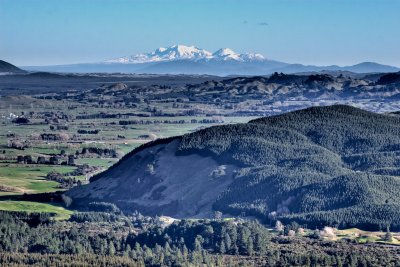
<point>315,32</point>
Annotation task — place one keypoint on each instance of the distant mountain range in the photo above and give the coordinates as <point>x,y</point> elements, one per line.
<point>192,53</point>
<point>181,59</point>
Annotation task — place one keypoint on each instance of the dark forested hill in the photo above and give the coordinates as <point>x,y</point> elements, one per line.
<point>334,165</point>
<point>389,78</point>
<point>7,67</point>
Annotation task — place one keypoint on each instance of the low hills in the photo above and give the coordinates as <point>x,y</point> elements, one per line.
<point>335,165</point>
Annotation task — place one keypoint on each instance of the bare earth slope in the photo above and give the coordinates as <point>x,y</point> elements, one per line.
<point>155,181</point>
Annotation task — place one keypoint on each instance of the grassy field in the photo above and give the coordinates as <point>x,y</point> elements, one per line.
<point>61,213</point>
<point>367,236</point>
<point>19,179</point>
<point>100,162</point>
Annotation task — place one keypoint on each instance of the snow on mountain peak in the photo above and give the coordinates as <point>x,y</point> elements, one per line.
<point>177,52</point>
<point>226,54</point>
<point>252,56</point>
<point>182,52</point>
<point>160,50</point>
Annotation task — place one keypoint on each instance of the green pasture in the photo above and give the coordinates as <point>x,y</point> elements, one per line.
<point>19,178</point>
<point>28,206</point>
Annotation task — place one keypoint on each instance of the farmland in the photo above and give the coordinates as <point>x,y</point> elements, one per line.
<point>68,137</point>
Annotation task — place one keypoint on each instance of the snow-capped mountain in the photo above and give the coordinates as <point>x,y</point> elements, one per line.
<point>181,59</point>
<point>229,54</point>
<point>192,53</point>
<point>226,54</point>
<point>176,52</point>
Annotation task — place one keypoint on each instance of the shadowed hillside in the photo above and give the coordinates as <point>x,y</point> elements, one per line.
<point>7,67</point>
<point>334,165</point>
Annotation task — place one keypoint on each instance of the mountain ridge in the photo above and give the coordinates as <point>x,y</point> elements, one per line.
<point>181,59</point>
<point>182,52</point>
<point>212,67</point>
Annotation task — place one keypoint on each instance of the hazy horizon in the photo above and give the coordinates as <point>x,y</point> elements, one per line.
<point>152,50</point>
<point>314,32</point>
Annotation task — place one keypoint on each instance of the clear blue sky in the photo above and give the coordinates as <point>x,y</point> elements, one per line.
<point>321,32</point>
